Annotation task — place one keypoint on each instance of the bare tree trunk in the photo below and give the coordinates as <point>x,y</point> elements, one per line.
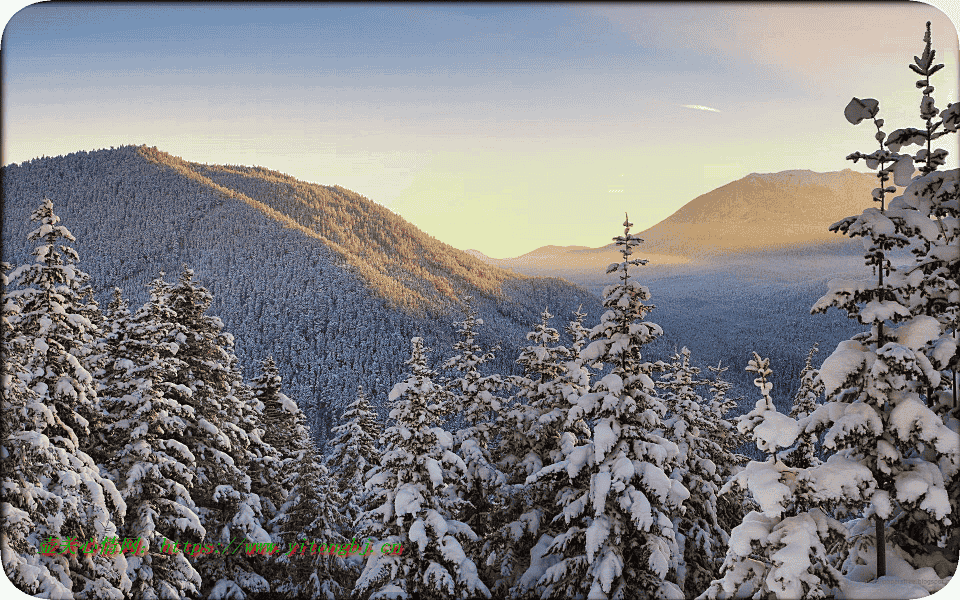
<point>881,547</point>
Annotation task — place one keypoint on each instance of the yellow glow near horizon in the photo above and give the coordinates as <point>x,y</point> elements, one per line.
<point>596,110</point>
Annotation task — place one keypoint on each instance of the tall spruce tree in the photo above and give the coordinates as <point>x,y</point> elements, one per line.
<point>781,550</point>
<point>311,515</point>
<point>148,419</point>
<point>57,509</point>
<point>354,450</point>
<point>531,431</point>
<point>475,404</point>
<point>229,512</point>
<point>805,402</point>
<point>880,384</point>
<point>616,497</point>
<point>704,465</point>
<point>270,422</point>
<point>413,510</point>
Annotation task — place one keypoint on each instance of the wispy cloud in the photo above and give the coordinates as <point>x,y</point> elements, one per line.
<point>698,107</point>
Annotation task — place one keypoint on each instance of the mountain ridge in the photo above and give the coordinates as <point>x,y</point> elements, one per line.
<point>761,212</point>
<point>305,207</point>
<point>281,291</point>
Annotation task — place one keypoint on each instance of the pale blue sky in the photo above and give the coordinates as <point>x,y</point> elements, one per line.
<point>496,127</point>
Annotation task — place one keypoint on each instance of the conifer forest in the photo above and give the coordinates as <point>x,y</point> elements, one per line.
<point>539,453</point>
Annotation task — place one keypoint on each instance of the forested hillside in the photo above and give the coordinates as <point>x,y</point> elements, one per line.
<point>329,283</point>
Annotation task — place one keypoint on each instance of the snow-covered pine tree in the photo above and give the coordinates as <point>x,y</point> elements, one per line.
<point>475,406</point>
<point>806,400</point>
<point>732,505</point>
<point>929,209</point>
<point>92,358</point>
<point>579,335</point>
<point>52,489</point>
<point>229,512</point>
<point>616,497</point>
<point>51,312</point>
<point>270,421</point>
<point>782,550</point>
<point>115,323</point>
<point>703,467</point>
<point>111,378</point>
<point>311,514</point>
<point>530,429</point>
<point>354,450</point>
<point>875,413</point>
<point>414,510</point>
<point>530,433</point>
<point>147,422</point>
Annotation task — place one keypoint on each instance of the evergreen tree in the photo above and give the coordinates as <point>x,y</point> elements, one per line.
<point>703,467</point>
<point>354,451</point>
<point>229,512</point>
<point>148,420</point>
<point>531,431</point>
<point>805,402</point>
<point>617,501</point>
<point>875,413</point>
<point>732,505</point>
<point>412,502</point>
<point>310,516</point>
<point>271,421</point>
<point>51,314</point>
<point>57,509</point>
<point>473,398</point>
<point>781,550</point>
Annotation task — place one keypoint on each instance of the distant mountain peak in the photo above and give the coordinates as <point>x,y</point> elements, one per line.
<point>763,210</point>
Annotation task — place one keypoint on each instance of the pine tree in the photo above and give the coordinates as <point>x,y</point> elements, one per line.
<point>272,422</point>
<point>530,431</point>
<point>55,498</point>
<point>310,517</point>
<point>354,451</point>
<point>473,399</point>
<point>616,498</point>
<point>781,550</point>
<point>704,465</point>
<point>51,315</point>
<point>412,503</point>
<point>732,505</point>
<point>805,402</point>
<point>875,413</point>
<point>929,212</point>
<point>532,426</point>
<point>148,420</point>
<point>229,512</point>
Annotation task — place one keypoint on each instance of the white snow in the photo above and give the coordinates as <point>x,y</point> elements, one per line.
<point>916,332</point>
<point>776,431</point>
<point>418,534</point>
<point>539,563</point>
<point>597,533</point>
<point>408,500</point>
<point>601,485</point>
<point>837,368</point>
<point>288,405</point>
<point>888,586</point>
<point>434,471</point>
